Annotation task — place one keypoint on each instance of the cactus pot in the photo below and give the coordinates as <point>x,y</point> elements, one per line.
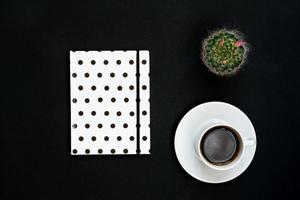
<point>224,52</point>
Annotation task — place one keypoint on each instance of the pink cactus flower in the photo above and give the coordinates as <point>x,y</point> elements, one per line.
<point>240,43</point>
<point>221,42</point>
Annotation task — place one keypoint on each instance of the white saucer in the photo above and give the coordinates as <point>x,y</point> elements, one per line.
<point>187,132</point>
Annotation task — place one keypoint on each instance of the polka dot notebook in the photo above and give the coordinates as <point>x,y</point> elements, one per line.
<point>110,102</point>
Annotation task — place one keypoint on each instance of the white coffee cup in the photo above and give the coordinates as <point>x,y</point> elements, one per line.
<point>243,143</point>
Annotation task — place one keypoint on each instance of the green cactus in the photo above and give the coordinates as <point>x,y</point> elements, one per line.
<point>224,52</point>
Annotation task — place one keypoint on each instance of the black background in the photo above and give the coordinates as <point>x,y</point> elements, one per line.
<point>35,122</point>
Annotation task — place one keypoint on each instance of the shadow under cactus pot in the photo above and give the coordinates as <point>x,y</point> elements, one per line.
<point>224,52</point>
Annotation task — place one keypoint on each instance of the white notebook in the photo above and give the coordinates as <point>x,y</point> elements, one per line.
<point>110,102</point>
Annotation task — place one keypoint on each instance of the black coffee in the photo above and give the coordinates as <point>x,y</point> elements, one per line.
<point>219,145</point>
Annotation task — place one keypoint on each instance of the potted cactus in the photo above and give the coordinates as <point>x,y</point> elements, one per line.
<point>224,52</point>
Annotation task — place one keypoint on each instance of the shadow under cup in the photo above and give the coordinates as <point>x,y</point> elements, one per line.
<point>221,146</point>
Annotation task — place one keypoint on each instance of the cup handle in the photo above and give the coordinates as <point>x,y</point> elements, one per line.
<point>249,141</point>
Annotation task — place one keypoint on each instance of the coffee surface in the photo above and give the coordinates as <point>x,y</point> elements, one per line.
<point>219,145</point>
